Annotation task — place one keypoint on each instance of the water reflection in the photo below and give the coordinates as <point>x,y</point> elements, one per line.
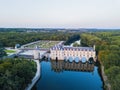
<point>65,75</point>
<point>60,66</point>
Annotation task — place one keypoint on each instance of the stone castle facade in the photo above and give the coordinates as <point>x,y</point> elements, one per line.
<point>61,52</point>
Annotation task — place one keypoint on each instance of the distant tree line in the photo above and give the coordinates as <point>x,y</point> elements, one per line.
<point>108,51</point>
<point>16,74</point>
<point>9,39</point>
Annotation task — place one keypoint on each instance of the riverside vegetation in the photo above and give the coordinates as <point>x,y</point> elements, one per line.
<point>108,52</point>
<point>15,74</point>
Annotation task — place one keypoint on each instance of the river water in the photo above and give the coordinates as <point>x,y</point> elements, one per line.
<point>64,75</point>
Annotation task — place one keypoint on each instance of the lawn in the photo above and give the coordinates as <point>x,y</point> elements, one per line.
<point>10,51</point>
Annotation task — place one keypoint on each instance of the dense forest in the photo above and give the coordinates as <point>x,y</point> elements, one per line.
<point>9,39</point>
<point>15,74</point>
<point>108,51</point>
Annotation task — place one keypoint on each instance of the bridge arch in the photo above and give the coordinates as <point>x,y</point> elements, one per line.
<point>65,58</point>
<point>91,60</point>
<point>70,59</point>
<point>83,59</point>
<point>77,59</point>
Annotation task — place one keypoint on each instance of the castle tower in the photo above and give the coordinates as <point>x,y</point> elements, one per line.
<point>36,53</point>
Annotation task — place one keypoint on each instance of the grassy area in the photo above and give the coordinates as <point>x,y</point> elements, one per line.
<point>10,51</point>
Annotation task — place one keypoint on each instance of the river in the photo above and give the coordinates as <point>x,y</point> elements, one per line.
<point>64,75</point>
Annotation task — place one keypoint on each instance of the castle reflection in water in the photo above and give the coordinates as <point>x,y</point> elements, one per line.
<point>60,66</point>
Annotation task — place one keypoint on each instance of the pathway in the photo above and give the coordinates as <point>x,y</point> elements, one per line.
<point>36,77</point>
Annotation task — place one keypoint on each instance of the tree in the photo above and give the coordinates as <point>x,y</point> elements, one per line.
<point>2,51</point>
<point>16,74</point>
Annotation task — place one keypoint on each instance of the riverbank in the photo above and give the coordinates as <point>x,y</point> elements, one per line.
<point>105,80</point>
<point>36,77</point>
<point>106,85</point>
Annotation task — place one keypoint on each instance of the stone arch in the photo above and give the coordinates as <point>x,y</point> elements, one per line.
<point>83,59</point>
<point>65,58</point>
<point>91,60</point>
<point>56,58</point>
<point>70,59</point>
<point>77,59</point>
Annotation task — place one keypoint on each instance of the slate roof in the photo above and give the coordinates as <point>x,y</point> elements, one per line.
<point>61,47</point>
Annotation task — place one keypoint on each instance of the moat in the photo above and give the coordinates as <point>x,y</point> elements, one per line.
<point>65,75</point>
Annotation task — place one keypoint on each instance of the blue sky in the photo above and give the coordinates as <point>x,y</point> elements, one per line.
<point>60,13</point>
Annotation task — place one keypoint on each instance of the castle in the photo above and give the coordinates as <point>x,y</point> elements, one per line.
<point>61,52</point>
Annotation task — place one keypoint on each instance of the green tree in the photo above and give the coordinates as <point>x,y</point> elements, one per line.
<point>2,52</point>
<point>15,74</point>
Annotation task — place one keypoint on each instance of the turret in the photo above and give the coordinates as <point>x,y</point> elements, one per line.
<point>94,47</point>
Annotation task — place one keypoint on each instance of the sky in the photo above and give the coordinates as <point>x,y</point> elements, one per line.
<point>60,13</point>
